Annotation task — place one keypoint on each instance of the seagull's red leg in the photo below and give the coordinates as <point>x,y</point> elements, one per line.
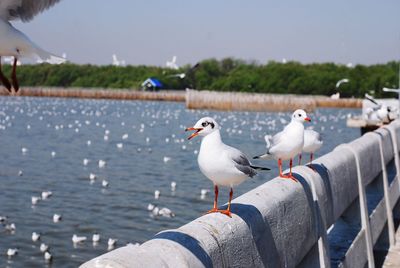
<point>215,208</point>
<point>299,159</point>
<point>4,80</point>
<point>311,159</point>
<point>14,80</point>
<point>227,212</point>
<point>280,168</point>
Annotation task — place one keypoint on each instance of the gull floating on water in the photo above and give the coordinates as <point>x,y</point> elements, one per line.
<point>95,238</point>
<point>57,218</point>
<point>111,243</point>
<point>10,227</point>
<point>173,186</point>
<point>104,183</point>
<point>222,164</point>
<point>204,193</point>
<point>47,256</point>
<point>78,239</point>
<point>12,252</point>
<point>288,143</point>
<point>43,247</point>
<point>35,200</point>
<point>35,236</point>
<point>16,44</point>
<point>157,194</point>
<point>46,194</point>
<point>102,163</point>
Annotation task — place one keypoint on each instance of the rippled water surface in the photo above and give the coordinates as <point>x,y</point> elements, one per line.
<point>56,136</point>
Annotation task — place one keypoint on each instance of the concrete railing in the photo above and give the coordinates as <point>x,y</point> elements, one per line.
<point>342,215</point>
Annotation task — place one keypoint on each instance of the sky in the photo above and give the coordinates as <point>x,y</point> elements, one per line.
<point>150,32</point>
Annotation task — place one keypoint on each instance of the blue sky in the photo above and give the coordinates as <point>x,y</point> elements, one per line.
<point>150,32</point>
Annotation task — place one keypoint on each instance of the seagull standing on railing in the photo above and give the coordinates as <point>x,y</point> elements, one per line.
<point>16,44</point>
<point>288,143</point>
<point>312,143</point>
<point>222,164</point>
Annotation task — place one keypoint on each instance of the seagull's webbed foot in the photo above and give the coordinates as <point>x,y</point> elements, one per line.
<point>226,212</point>
<point>288,177</point>
<point>213,210</point>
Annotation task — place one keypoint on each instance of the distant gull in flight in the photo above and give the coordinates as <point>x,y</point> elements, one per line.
<point>222,164</point>
<point>288,143</point>
<point>16,44</point>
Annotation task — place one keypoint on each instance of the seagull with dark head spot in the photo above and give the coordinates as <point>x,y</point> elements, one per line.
<point>222,164</point>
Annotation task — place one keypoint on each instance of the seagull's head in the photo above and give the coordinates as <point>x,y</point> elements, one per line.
<point>300,116</point>
<point>203,127</point>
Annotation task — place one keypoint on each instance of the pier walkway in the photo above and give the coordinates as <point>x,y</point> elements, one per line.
<point>343,214</point>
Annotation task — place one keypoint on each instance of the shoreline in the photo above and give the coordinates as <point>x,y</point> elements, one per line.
<point>195,99</point>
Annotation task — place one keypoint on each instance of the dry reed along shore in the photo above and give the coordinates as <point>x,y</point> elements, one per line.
<point>226,101</point>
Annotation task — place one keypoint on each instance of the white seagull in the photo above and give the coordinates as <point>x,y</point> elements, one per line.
<point>312,143</point>
<point>16,44</point>
<point>288,143</point>
<point>222,164</point>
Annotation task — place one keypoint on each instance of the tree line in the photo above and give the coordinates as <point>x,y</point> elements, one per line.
<point>223,75</point>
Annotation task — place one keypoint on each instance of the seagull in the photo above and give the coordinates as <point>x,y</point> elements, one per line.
<point>57,218</point>
<point>111,243</point>
<point>47,256</point>
<point>3,219</point>
<point>222,164</point>
<point>96,238</point>
<point>35,199</point>
<point>35,236</point>
<point>16,44</point>
<point>46,194</point>
<point>78,239</point>
<point>166,212</point>
<point>287,143</point>
<point>312,143</point>
<point>43,247</point>
<point>173,186</point>
<point>10,227</point>
<point>12,252</point>
<point>157,194</point>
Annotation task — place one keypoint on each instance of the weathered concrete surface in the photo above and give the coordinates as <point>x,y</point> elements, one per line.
<point>282,223</point>
<point>392,260</point>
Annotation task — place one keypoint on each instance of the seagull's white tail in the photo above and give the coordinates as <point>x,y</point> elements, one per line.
<point>48,57</point>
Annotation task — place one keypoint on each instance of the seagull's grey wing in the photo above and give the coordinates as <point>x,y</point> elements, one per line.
<point>243,164</point>
<point>24,10</point>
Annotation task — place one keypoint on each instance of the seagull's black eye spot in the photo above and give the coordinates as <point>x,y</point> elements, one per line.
<point>212,125</point>
<point>204,124</point>
<point>299,115</point>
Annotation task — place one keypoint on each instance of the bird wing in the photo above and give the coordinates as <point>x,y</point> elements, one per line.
<point>276,138</point>
<point>242,163</point>
<point>24,10</point>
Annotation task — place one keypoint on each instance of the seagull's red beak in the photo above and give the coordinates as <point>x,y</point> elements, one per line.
<point>308,119</point>
<point>194,134</point>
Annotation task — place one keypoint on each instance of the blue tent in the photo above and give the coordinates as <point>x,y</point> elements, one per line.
<point>151,83</point>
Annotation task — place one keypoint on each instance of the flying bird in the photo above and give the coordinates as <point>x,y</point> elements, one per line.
<point>221,163</point>
<point>14,43</point>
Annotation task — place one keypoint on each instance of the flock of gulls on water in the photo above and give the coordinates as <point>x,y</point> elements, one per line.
<point>224,165</point>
